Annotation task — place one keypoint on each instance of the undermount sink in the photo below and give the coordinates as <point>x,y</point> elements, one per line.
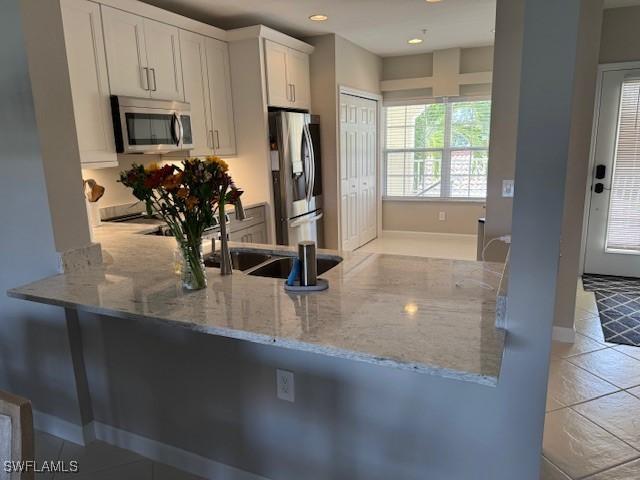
<point>240,259</point>
<point>267,264</point>
<point>280,267</point>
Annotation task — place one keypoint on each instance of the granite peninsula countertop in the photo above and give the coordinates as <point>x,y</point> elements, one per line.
<point>428,315</point>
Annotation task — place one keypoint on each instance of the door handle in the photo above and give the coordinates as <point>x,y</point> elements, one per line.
<point>153,74</point>
<point>601,171</point>
<point>176,129</point>
<point>145,76</point>
<point>302,221</point>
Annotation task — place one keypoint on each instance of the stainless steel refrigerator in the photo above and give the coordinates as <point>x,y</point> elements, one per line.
<point>296,175</point>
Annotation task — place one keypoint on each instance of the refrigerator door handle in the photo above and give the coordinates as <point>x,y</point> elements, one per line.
<point>311,170</point>
<point>302,221</point>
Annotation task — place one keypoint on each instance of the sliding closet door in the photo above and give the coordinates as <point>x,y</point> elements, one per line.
<point>358,160</point>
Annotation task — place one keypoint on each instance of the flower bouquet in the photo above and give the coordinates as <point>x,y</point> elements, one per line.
<point>186,197</point>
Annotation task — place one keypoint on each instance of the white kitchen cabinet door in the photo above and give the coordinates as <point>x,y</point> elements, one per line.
<point>298,78</point>
<point>196,91</point>
<point>84,45</point>
<point>278,87</point>
<point>163,60</point>
<point>223,132</point>
<point>126,53</point>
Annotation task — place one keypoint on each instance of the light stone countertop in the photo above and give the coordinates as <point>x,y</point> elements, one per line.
<point>428,315</point>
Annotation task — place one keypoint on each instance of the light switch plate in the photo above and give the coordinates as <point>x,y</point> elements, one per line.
<point>507,188</point>
<point>285,385</point>
<point>442,216</point>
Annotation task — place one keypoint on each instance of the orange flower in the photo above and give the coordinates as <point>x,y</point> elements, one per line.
<point>224,166</point>
<point>173,181</point>
<point>192,202</point>
<point>183,193</point>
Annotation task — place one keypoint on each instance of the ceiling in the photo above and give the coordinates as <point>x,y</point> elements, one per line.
<point>381,26</point>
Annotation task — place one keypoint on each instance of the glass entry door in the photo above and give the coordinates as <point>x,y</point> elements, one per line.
<point>613,234</point>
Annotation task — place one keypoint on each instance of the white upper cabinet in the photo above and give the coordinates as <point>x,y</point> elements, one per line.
<point>287,72</point>
<point>298,75</point>
<point>89,83</point>
<point>196,91</point>
<point>223,133</point>
<point>207,87</point>
<point>143,56</point>
<point>163,61</point>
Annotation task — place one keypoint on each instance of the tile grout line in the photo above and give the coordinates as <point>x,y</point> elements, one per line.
<point>606,469</point>
<point>559,469</point>
<point>612,434</point>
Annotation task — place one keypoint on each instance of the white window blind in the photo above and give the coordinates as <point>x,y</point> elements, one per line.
<point>623,224</point>
<point>437,149</point>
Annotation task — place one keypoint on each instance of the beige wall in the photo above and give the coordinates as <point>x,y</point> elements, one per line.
<point>324,103</point>
<point>620,38</point>
<point>423,216</point>
<point>336,62</point>
<point>504,122</point>
<point>418,216</point>
<point>578,164</point>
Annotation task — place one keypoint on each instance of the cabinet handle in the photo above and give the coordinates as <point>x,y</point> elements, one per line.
<point>290,92</point>
<point>217,139</point>
<point>145,76</point>
<point>210,139</point>
<point>153,72</point>
<point>293,89</point>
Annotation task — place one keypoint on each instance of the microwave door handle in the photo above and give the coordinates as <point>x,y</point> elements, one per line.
<point>181,137</point>
<point>176,129</point>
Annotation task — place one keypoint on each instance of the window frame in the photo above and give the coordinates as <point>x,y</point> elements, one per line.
<point>446,150</point>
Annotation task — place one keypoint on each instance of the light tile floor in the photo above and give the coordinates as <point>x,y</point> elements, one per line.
<point>592,426</point>
<point>100,461</point>
<point>437,245</point>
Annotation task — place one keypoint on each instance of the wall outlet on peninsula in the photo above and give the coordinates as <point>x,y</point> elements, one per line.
<point>285,385</point>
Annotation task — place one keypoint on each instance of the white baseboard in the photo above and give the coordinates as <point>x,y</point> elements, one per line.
<point>564,334</point>
<point>442,234</point>
<point>160,452</point>
<point>59,428</point>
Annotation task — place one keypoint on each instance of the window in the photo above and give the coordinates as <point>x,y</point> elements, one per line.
<point>437,150</point>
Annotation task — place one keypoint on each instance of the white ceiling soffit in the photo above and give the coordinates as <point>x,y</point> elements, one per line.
<point>381,26</point>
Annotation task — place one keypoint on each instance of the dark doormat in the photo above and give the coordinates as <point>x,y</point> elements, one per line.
<point>618,300</point>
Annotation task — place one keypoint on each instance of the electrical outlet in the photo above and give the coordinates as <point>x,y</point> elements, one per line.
<point>285,385</point>
<point>507,188</point>
<point>442,216</point>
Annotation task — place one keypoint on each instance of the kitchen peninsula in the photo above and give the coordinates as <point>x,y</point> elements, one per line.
<point>428,315</point>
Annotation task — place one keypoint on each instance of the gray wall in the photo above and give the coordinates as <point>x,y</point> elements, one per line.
<point>578,167</point>
<point>34,348</point>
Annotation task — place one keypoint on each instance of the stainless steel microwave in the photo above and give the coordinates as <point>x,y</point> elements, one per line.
<point>144,125</point>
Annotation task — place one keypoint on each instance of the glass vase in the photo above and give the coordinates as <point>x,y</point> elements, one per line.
<point>193,272</point>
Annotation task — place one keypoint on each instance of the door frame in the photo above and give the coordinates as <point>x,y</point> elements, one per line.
<point>602,69</point>
<point>376,97</point>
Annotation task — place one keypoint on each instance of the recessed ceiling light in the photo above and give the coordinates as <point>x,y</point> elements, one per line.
<point>434,1</point>
<point>414,41</point>
<point>318,17</point>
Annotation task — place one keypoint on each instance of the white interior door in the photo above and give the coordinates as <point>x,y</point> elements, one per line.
<point>613,234</point>
<point>358,155</point>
